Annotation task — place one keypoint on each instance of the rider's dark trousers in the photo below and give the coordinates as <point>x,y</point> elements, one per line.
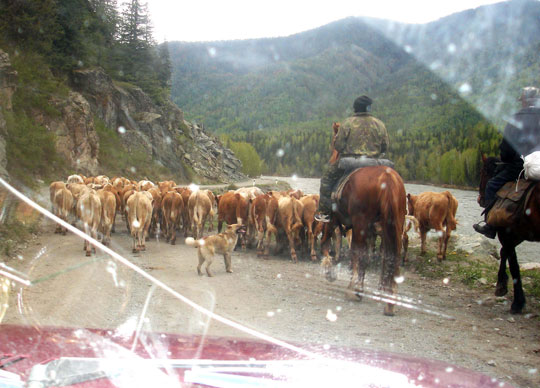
<point>329,178</point>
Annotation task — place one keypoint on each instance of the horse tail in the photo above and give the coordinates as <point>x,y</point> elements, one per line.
<point>393,209</point>
<point>450,218</point>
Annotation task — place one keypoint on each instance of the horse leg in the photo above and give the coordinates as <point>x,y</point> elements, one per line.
<point>502,278</point>
<point>326,262</point>
<point>519,296</point>
<point>359,260</point>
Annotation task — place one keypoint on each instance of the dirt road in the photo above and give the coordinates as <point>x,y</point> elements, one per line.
<point>291,302</point>
<point>441,320</point>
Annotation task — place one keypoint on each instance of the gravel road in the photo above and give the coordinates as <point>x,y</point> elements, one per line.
<point>439,320</point>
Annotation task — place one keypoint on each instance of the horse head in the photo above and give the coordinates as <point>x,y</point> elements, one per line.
<point>489,165</point>
<point>335,154</point>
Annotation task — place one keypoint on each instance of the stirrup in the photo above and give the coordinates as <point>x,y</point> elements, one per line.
<point>324,218</point>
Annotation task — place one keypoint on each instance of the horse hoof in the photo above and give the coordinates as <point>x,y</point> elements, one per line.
<point>501,290</point>
<point>516,308</point>
<point>389,310</point>
<point>353,295</point>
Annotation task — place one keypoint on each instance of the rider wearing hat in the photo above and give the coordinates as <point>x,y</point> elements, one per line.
<point>362,134</point>
<point>521,137</point>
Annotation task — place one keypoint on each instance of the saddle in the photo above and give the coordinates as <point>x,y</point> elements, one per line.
<point>350,164</point>
<point>509,205</point>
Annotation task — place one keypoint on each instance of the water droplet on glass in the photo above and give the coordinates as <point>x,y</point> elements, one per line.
<point>326,346</point>
<point>399,279</point>
<point>80,63</point>
<point>338,308</point>
<point>136,224</point>
<point>278,310</point>
<point>367,341</point>
<point>133,170</point>
<point>20,30</point>
<point>446,280</point>
<point>449,369</point>
<point>330,316</point>
<point>528,212</point>
<point>451,48</point>
<point>532,371</point>
<point>260,127</point>
<point>212,51</point>
<point>383,186</point>
<point>168,140</point>
<point>433,96</point>
<point>276,57</point>
<point>193,187</point>
<point>439,233</point>
<point>121,130</point>
<point>465,88</point>
<point>278,276</point>
<point>408,49</point>
<point>270,314</point>
<point>413,321</point>
<point>294,177</point>
<point>280,153</point>
<point>308,276</point>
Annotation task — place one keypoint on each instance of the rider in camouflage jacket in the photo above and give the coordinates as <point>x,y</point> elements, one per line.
<point>359,135</point>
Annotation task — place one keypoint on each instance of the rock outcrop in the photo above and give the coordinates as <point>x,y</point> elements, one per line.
<point>160,130</point>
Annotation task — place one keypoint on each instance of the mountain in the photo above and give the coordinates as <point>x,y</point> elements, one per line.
<point>282,94</point>
<point>488,54</point>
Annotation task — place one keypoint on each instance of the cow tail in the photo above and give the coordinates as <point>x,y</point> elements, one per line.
<point>451,209</point>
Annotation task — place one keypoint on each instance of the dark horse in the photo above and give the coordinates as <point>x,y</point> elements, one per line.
<point>527,228</point>
<point>373,196</point>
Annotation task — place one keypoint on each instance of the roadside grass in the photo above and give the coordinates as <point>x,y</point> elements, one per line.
<point>476,271</point>
<point>18,223</point>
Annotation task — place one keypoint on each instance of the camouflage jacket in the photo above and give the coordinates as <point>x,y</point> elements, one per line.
<point>362,134</point>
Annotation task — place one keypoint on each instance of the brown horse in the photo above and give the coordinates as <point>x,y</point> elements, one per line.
<point>527,228</point>
<point>372,196</point>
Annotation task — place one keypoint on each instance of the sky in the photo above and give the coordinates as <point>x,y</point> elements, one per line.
<point>211,20</point>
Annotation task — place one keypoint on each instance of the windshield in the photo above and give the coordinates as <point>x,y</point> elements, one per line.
<point>231,209</point>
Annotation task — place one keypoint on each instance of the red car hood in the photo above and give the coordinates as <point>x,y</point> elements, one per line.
<point>101,358</point>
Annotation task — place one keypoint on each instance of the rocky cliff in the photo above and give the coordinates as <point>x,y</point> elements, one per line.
<point>160,131</point>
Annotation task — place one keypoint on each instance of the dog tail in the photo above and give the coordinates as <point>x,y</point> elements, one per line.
<point>192,242</point>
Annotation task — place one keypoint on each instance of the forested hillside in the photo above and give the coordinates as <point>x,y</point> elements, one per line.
<point>84,88</point>
<point>281,96</point>
<point>488,53</point>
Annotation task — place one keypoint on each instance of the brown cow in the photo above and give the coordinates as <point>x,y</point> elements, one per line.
<point>108,214</point>
<point>172,207</point>
<point>89,212</point>
<point>139,215</point>
<point>233,208</point>
<point>434,211</point>
<point>213,201</point>
<point>53,187</point>
<point>185,192</point>
<point>257,219</point>
<point>289,219</point>
<point>311,204</point>
<point>200,209</point>
<point>156,209</point>
<point>62,207</point>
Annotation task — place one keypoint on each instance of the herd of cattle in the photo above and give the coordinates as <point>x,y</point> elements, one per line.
<point>149,207</point>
